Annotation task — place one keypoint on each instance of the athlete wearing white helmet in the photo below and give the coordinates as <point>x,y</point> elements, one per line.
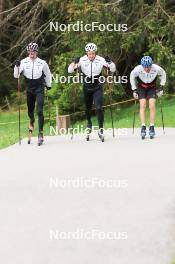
<point>91,65</point>
<point>143,79</point>
<point>91,47</point>
<point>37,75</point>
<point>32,47</point>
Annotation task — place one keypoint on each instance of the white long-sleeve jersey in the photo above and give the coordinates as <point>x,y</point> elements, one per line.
<point>139,74</point>
<point>92,68</point>
<point>34,70</point>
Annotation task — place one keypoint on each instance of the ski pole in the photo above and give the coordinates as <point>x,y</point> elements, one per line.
<point>161,110</point>
<point>48,105</point>
<point>74,106</point>
<point>133,125</point>
<point>19,109</point>
<point>72,119</point>
<point>110,102</point>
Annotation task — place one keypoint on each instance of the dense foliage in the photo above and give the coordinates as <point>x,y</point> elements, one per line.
<point>150,31</point>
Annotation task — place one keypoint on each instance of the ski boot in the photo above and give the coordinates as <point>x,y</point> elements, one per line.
<point>151,132</point>
<point>40,138</point>
<point>143,132</point>
<point>100,134</point>
<point>89,130</point>
<point>30,131</point>
<point>88,134</point>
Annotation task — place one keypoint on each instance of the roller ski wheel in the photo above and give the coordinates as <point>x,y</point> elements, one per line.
<point>30,132</point>
<point>143,132</point>
<point>40,139</point>
<point>151,132</point>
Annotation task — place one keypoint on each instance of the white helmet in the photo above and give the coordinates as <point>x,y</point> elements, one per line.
<point>32,46</point>
<point>90,47</point>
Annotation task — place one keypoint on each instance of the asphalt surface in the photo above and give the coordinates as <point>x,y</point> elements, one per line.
<point>72,201</point>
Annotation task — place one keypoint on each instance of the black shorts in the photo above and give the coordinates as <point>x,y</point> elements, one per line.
<point>147,93</point>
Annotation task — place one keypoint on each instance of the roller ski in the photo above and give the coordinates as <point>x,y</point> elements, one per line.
<point>101,136</point>
<point>143,132</point>
<point>30,130</point>
<point>40,139</point>
<point>151,132</point>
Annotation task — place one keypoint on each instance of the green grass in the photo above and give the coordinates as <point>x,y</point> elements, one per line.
<point>123,116</point>
<point>9,131</point>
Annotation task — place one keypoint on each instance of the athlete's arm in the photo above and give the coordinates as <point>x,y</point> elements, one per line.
<point>47,75</point>
<point>162,75</point>
<point>74,65</point>
<point>133,76</point>
<point>16,70</point>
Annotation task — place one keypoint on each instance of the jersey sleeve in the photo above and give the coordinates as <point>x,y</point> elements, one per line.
<point>16,74</point>
<point>162,76</point>
<point>47,75</point>
<point>134,74</point>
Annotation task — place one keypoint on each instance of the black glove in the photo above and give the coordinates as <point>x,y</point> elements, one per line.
<point>76,60</point>
<point>48,88</point>
<point>17,63</point>
<point>108,59</point>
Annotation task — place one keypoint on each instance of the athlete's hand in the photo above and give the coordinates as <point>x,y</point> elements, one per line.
<point>17,63</point>
<point>159,91</point>
<point>135,94</point>
<point>76,60</point>
<point>108,59</point>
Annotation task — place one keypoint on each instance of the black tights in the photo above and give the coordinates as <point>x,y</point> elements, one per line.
<point>95,95</point>
<point>32,97</point>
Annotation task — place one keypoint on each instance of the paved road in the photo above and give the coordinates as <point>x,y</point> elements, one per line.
<point>74,202</point>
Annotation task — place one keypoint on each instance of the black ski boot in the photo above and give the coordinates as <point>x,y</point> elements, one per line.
<point>40,138</point>
<point>100,134</point>
<point>151,132</point>
<point>30,131</point>
<point>143,132</point>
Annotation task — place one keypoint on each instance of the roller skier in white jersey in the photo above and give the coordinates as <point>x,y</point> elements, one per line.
<point>38,76</point>
<point>91,65</point>
<point>143,79</point>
